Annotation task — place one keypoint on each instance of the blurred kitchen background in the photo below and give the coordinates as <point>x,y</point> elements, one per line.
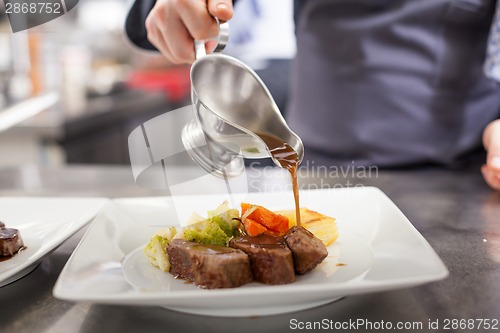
<point>73,89</point>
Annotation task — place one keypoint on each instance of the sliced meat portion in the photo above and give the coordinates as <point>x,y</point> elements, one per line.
<point>270,259</point>
<point>209,266</point>
<point>10,241</point>
<point>308,250</point>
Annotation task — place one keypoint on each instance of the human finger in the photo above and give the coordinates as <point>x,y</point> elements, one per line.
<point>491,140</point>
<point>491,177</point>
<point>222,9</point>
<point>178,39</point>
<point>167,32</point>
<point>155,36</point>
<point>197,19</point>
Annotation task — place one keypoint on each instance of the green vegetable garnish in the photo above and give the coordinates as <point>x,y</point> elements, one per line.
<point>218,229</point>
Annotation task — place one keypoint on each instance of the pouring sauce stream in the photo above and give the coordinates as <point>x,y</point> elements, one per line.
<point>288,159</point>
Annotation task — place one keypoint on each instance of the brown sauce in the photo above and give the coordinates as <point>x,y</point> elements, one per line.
<point>288,159</point>
<point>5,258</point>
<point>211,249</point>
<point>262,241</point>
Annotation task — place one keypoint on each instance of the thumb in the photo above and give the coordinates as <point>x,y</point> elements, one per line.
<point>222,9</point>
<point>492,145</point>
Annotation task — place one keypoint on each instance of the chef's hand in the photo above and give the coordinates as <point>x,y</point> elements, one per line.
<point>173,24</point>
<point>491,141</point>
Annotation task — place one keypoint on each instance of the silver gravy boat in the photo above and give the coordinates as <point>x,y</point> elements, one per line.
<point>232,106</point>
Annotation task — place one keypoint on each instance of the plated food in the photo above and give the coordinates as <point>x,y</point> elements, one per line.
<point>209,266</point>
<point>375,259</point>
<point>11,242</point>
<point>229,249</point>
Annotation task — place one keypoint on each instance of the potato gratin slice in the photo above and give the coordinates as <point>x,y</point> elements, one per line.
<point>322,226</point>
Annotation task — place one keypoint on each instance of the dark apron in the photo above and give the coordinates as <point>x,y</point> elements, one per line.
<point>392,82</point>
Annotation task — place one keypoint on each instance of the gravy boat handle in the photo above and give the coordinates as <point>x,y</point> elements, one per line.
<point>221,39</point>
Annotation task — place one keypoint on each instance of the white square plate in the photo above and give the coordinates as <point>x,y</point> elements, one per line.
<point>378,249</point>
<point>44,224</point>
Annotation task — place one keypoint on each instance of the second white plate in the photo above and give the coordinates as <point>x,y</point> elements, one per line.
<point>44,223</point>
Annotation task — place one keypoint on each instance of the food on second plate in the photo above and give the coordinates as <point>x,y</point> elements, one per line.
<point>322,226</point>
<point>209,266</point>
<point>271,260</point>
<point>228,250</point>
<point>221,225</point>
<point>10,241</point>
<point>308,251</point>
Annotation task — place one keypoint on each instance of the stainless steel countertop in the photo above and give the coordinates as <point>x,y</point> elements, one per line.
<point>454,210</point>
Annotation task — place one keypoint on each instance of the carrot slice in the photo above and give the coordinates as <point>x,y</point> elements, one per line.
<point>267,218</point>
<point>253,228</point>
<point>245,206</point>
